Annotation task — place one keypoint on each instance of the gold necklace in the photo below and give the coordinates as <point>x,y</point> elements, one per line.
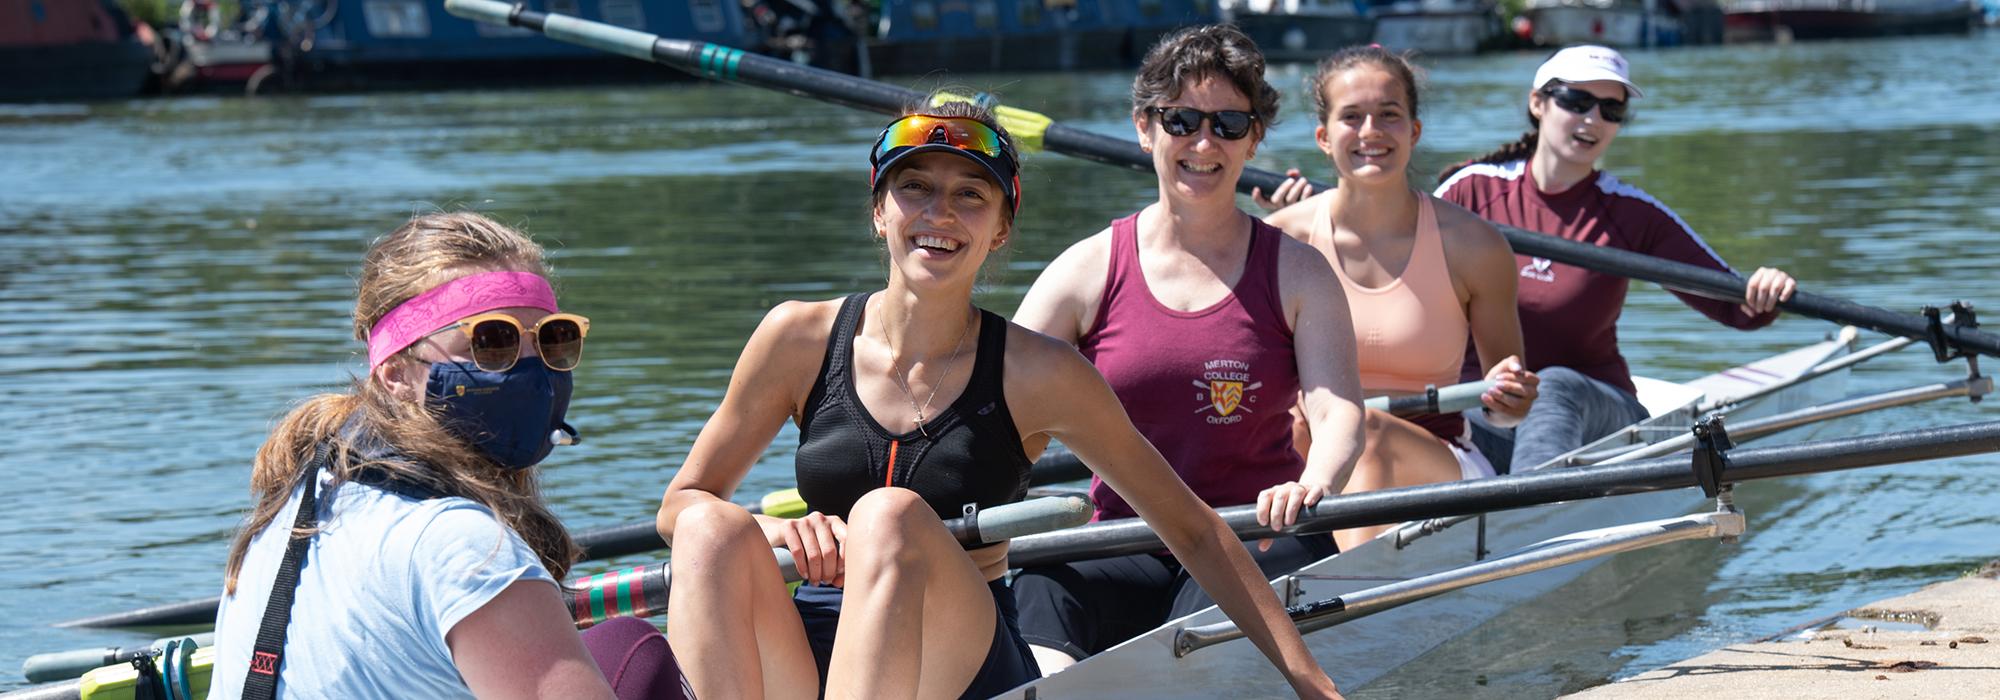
<point>897,366</point>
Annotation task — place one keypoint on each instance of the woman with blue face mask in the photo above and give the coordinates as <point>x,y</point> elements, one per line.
<point>425,563</point>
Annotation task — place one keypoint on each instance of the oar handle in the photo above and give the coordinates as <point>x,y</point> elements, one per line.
<point>64,665</point>
<point>1450,399</point>
<point>641,591</point>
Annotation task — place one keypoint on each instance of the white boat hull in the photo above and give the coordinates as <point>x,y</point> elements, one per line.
<point>1447,33</point>
<point>1362,650</point>
<point>1613,26</point>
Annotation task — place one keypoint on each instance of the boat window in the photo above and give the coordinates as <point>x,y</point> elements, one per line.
<point>624,13</point>
<point>923,14</point>
<point>396,19</point>
<point>708,16</point>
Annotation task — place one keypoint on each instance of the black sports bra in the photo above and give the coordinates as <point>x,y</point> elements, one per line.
<point>972,453</point>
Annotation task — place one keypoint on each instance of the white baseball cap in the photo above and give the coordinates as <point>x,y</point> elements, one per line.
<point>1582,64</point>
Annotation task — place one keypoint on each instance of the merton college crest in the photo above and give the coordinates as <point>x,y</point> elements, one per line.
<point>1226,389</point>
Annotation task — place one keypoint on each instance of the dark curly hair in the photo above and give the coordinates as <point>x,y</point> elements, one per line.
<point>1215,50</point>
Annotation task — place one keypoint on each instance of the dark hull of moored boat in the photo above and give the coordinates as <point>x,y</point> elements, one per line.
<point>1768,22</point>
<point>86,71</point>
<point>1304,38</point>
<point>408,44</point>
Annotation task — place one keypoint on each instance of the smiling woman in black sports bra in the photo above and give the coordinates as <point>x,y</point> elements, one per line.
<point>911,402</point>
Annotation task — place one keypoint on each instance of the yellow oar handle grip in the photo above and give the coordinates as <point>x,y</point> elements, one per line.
<point>784,504</point>
<point>1026,127</point>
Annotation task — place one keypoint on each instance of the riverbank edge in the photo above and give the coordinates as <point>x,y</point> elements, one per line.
<point>1956,655</point>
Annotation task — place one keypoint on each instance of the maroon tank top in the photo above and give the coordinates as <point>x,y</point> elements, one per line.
<point>1213,388</point>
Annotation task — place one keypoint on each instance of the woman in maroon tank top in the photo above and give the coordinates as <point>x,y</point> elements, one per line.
<point>1209,325</point>
<point>1421,276</point>
<point>910,612</point>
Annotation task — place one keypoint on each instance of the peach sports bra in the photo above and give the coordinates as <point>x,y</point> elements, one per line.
<point>1412,331</point>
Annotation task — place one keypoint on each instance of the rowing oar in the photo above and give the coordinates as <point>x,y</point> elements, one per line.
<point>1056,467</point>
<point>55,666</point>
<point>1129,536</point>
<point>1036,131</point>
<point>642,591</point>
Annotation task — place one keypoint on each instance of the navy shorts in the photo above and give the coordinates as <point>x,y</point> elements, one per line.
<point>1085,607</point>
<point>1008,661</point>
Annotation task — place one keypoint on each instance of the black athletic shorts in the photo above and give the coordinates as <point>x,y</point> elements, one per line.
<point>1008,662</point>
<point>1088,606</point>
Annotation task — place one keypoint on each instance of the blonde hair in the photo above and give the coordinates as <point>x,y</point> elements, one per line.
<point>424,252</point>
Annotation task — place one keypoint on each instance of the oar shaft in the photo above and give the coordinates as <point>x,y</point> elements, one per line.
<point>734,65</point>
<point>641,591</point>
<point>1131,536</point>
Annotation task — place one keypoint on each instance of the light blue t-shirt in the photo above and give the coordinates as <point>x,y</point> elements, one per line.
<point>384,581</point>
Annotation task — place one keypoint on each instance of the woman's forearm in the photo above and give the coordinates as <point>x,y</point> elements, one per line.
<point>1219,562</point>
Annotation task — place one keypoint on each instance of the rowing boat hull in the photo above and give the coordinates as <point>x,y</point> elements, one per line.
<point>1362,650</point>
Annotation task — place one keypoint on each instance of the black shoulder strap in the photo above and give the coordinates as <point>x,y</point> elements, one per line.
<point>269,652</point>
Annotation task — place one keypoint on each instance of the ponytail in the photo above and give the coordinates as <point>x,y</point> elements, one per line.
<point>1520,149</point>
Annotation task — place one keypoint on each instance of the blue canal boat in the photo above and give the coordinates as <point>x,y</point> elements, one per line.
<point>923,36</point>
<point>366,44</point>
<point>320,44</point>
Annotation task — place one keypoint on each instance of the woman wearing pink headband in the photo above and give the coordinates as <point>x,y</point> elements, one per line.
<point>425,563</point>
<point>911,402</point>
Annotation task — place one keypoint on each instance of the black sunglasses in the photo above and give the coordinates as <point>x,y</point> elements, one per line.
<point>1580,102</point>
<point>1183,121</point>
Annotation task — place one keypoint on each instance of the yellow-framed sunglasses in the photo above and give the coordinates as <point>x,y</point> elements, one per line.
<point>495,339</point>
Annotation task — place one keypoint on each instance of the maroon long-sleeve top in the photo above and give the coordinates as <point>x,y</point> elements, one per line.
<point>1569,315</point>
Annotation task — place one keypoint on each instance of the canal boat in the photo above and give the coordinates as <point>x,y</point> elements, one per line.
<point>397,43</point>
<point>83,49</point>
<point>925,36</point>
<point>1364,649</point>
<point>1787,20</point>
<point>1623,23</point>
<point>1436,27</point>
<point>1301,31</point>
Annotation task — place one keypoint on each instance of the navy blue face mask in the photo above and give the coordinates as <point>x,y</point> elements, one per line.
<point>511,415</point>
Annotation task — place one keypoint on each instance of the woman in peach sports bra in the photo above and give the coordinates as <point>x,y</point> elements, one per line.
<point>1419,275</point>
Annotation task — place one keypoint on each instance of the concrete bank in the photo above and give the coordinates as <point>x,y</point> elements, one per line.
<point>1957,655</point>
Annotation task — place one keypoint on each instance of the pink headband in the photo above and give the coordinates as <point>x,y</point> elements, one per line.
<point>410,321</point>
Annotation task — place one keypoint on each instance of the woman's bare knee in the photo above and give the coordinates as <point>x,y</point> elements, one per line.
<point>883,528</point>
<point>716,527</point>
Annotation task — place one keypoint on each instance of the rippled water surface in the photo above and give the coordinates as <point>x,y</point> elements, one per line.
<point>175,273</point>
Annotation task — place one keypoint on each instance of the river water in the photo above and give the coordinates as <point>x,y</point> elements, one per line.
<point>175,273</point>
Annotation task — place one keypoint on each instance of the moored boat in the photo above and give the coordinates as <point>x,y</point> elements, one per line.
<point>1365,649</point>
<point>402,43</point>
<point>83,49</point>
<point>1623,23</point>
<point>1785,20</point>
<point>1436,27</point>
<point>1301,31</point>
<point>922,36</point>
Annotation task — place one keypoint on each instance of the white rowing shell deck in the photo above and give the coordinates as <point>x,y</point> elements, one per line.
<point>1362,650</point>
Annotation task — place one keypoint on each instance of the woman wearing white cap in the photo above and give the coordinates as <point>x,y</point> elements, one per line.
<point>1548,182</point>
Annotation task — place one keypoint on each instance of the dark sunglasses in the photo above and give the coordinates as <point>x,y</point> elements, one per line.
<point>496,340</point>
<point>1184,121</point>
<point>1580,102</point>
